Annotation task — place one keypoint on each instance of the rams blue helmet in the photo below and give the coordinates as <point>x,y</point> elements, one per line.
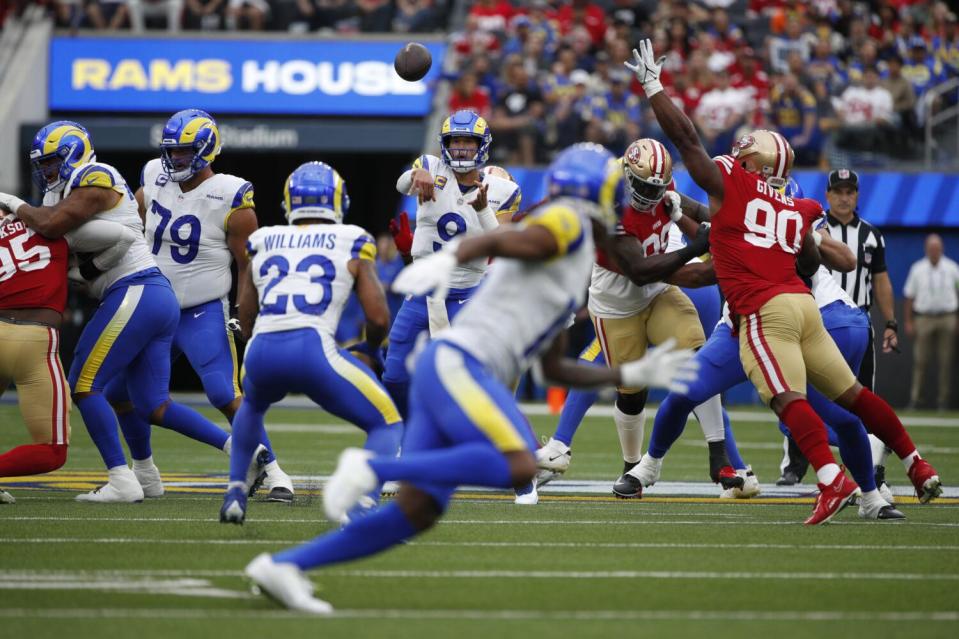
<point>315,190</point>
<point>465,124</point>
<point>190,142</point>
<point>792,188</point>
<point>58,149</point>
<point>589,172</point>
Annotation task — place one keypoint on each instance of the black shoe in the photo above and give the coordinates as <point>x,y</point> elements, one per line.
<point>890,512</point>
<point>796,467</point>
<point>628,487</point>
<point>788,478</point>
<point>281,494</point>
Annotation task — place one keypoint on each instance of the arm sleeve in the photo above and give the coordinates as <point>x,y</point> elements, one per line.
<point>487,219</point>
<point>110,239</point>
<point>405,181</point>
<point>879,255</point>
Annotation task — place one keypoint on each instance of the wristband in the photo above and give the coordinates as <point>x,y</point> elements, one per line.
<point>652,87</point>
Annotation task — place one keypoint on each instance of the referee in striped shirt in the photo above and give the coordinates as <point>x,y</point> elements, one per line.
<point>870,277</point>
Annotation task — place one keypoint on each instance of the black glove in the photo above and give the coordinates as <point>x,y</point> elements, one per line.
<point>88,270</point>
<point>700,243</point>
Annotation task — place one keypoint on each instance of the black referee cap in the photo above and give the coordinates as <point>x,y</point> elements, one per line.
<point>843,177</point>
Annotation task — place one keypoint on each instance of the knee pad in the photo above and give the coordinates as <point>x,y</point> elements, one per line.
<point>632,403</point>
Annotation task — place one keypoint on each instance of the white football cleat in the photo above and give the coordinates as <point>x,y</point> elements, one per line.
<point>527,496</point>
<point>553,460</point>
<point>256,472</point>
<point>285,583</point>
<point>278,484</point>
<point>148,475</point>
<point>122,488</point>
<point>352,479</point>
<point>749,489</point>
<point>6,498</point>
<point>885,493</point>
<point>648,470</point>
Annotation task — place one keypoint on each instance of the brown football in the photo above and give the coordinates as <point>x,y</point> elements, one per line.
<point>412,62</point>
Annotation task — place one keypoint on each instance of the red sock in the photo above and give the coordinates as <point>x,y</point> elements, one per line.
<point>809,432</point>
<point>32,459</point>
<point>881,421</point>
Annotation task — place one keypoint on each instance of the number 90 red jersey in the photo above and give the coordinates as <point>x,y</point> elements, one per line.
<point>755,237</point>
<point>33,269</point>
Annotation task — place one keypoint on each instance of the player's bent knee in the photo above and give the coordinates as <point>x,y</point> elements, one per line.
<point>848,397</point>
<point>632,403</point>
<point>522,467</point>
<point>154,413</point>
<point>58,457</point>
<point>420,508</point>
<point>782,400</point>
<point>123,407</point>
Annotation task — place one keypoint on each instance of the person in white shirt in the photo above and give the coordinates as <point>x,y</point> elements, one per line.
<point>721,112</point>
<point>930,313</point>
<point>866,104</point>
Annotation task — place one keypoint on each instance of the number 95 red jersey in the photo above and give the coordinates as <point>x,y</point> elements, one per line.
<point>33,269</point>
<point>755,237</point>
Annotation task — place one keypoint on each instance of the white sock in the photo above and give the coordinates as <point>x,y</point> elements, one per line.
<point>631,429</point>
<point>236,484</point>
<point>827,474</point>
<point>228,445</point>
<point>909,459</point>
<point>143,464</point>
<point>710,416</point>
<point>872,499</point>
<point>877,447</point>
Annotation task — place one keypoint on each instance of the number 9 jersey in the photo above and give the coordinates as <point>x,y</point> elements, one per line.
<point>451,215</point>
<point>186,232</point>
<point>301,274</point>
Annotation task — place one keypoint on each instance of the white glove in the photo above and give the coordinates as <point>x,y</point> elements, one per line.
<point>675,206</point>
<point>10,202</point>
<point>430,273</point>
<point>647,68</point>
<point>661,367</point>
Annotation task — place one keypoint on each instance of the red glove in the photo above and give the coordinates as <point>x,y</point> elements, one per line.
<point>402,234</point>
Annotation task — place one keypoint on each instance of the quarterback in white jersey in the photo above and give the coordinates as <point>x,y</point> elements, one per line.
<point>465,426</point>
<point>197,223</point>
<point>456,200</point>
<point>291,303</point>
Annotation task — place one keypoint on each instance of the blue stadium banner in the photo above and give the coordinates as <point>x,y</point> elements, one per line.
<point>306,77</point>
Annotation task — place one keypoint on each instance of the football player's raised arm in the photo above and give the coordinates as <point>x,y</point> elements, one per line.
<point>78,207</point>
<point>836,255</point>
<point>372,298</point>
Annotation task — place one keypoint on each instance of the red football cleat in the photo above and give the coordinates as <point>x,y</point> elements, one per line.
<point>727,478</point>
<point>833,498</point>
<point>926,480</point>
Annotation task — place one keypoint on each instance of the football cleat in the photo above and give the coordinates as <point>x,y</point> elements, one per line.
<point>256,473</point>
<point>278,483</point>
<point>233,510</point>
<point>727,477</point>
<point>352,479</point>
<point>628,486</point>
<point>887,512</point>
<point>527,495</point>
<point>149,478</point>
<point>749,489</point>
<point>648,470</point>
<point>552,460</point>
<point>882,486</point>
<point>794,464</point>
<point>286,584</point>
<point>833,498</point>
<point>925,479</point>
<point>6,498</point>
<point>121,488</point>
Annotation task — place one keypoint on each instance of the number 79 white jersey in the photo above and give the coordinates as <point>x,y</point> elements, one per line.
<point>451,215</point>
<point>186,232</point>
<point>301,275</point>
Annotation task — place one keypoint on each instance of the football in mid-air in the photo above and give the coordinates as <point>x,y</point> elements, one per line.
<point>412,62</point>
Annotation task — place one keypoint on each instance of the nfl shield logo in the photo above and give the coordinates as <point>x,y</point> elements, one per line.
<point>843,174</point>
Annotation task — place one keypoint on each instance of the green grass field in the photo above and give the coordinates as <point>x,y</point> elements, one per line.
<point>573,566</point>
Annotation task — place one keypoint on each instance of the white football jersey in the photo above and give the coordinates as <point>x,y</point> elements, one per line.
<point>522,305</point>
<point>125,212</point>
<point>301,275</point>
<point>451,215</point>
<point>187,231</point>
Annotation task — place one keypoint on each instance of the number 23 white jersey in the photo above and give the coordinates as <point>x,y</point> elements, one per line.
<point>187,231</point>
<point>301,274</point>
<point>451,215</point>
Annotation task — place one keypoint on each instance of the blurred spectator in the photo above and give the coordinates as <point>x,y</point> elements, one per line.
<point>414,16</point>
<point>492,15</point>
<point>369,16</point>
<point>572,111</point>
<point>519,35</point>
<point>142,11</point>
<point>865,115</point>
<point>614,116</point>
<point>727,35</point>
<point>866,56</point>
<point>389,263</point>
<point>517,115</point>
<point>791,40</point>
<point>793,113</point>
<point>107,14</point>
<point>315,15</point>
<point>931,296</point>
<point>823,65</point>
<point>473,40</point>
<point>467,94</point>
<point>585,13</point>
<point>720,112</point>
<point>946,46</point>
<point>920,68</point>
<point>248,13</point>
<point>903,103</point>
